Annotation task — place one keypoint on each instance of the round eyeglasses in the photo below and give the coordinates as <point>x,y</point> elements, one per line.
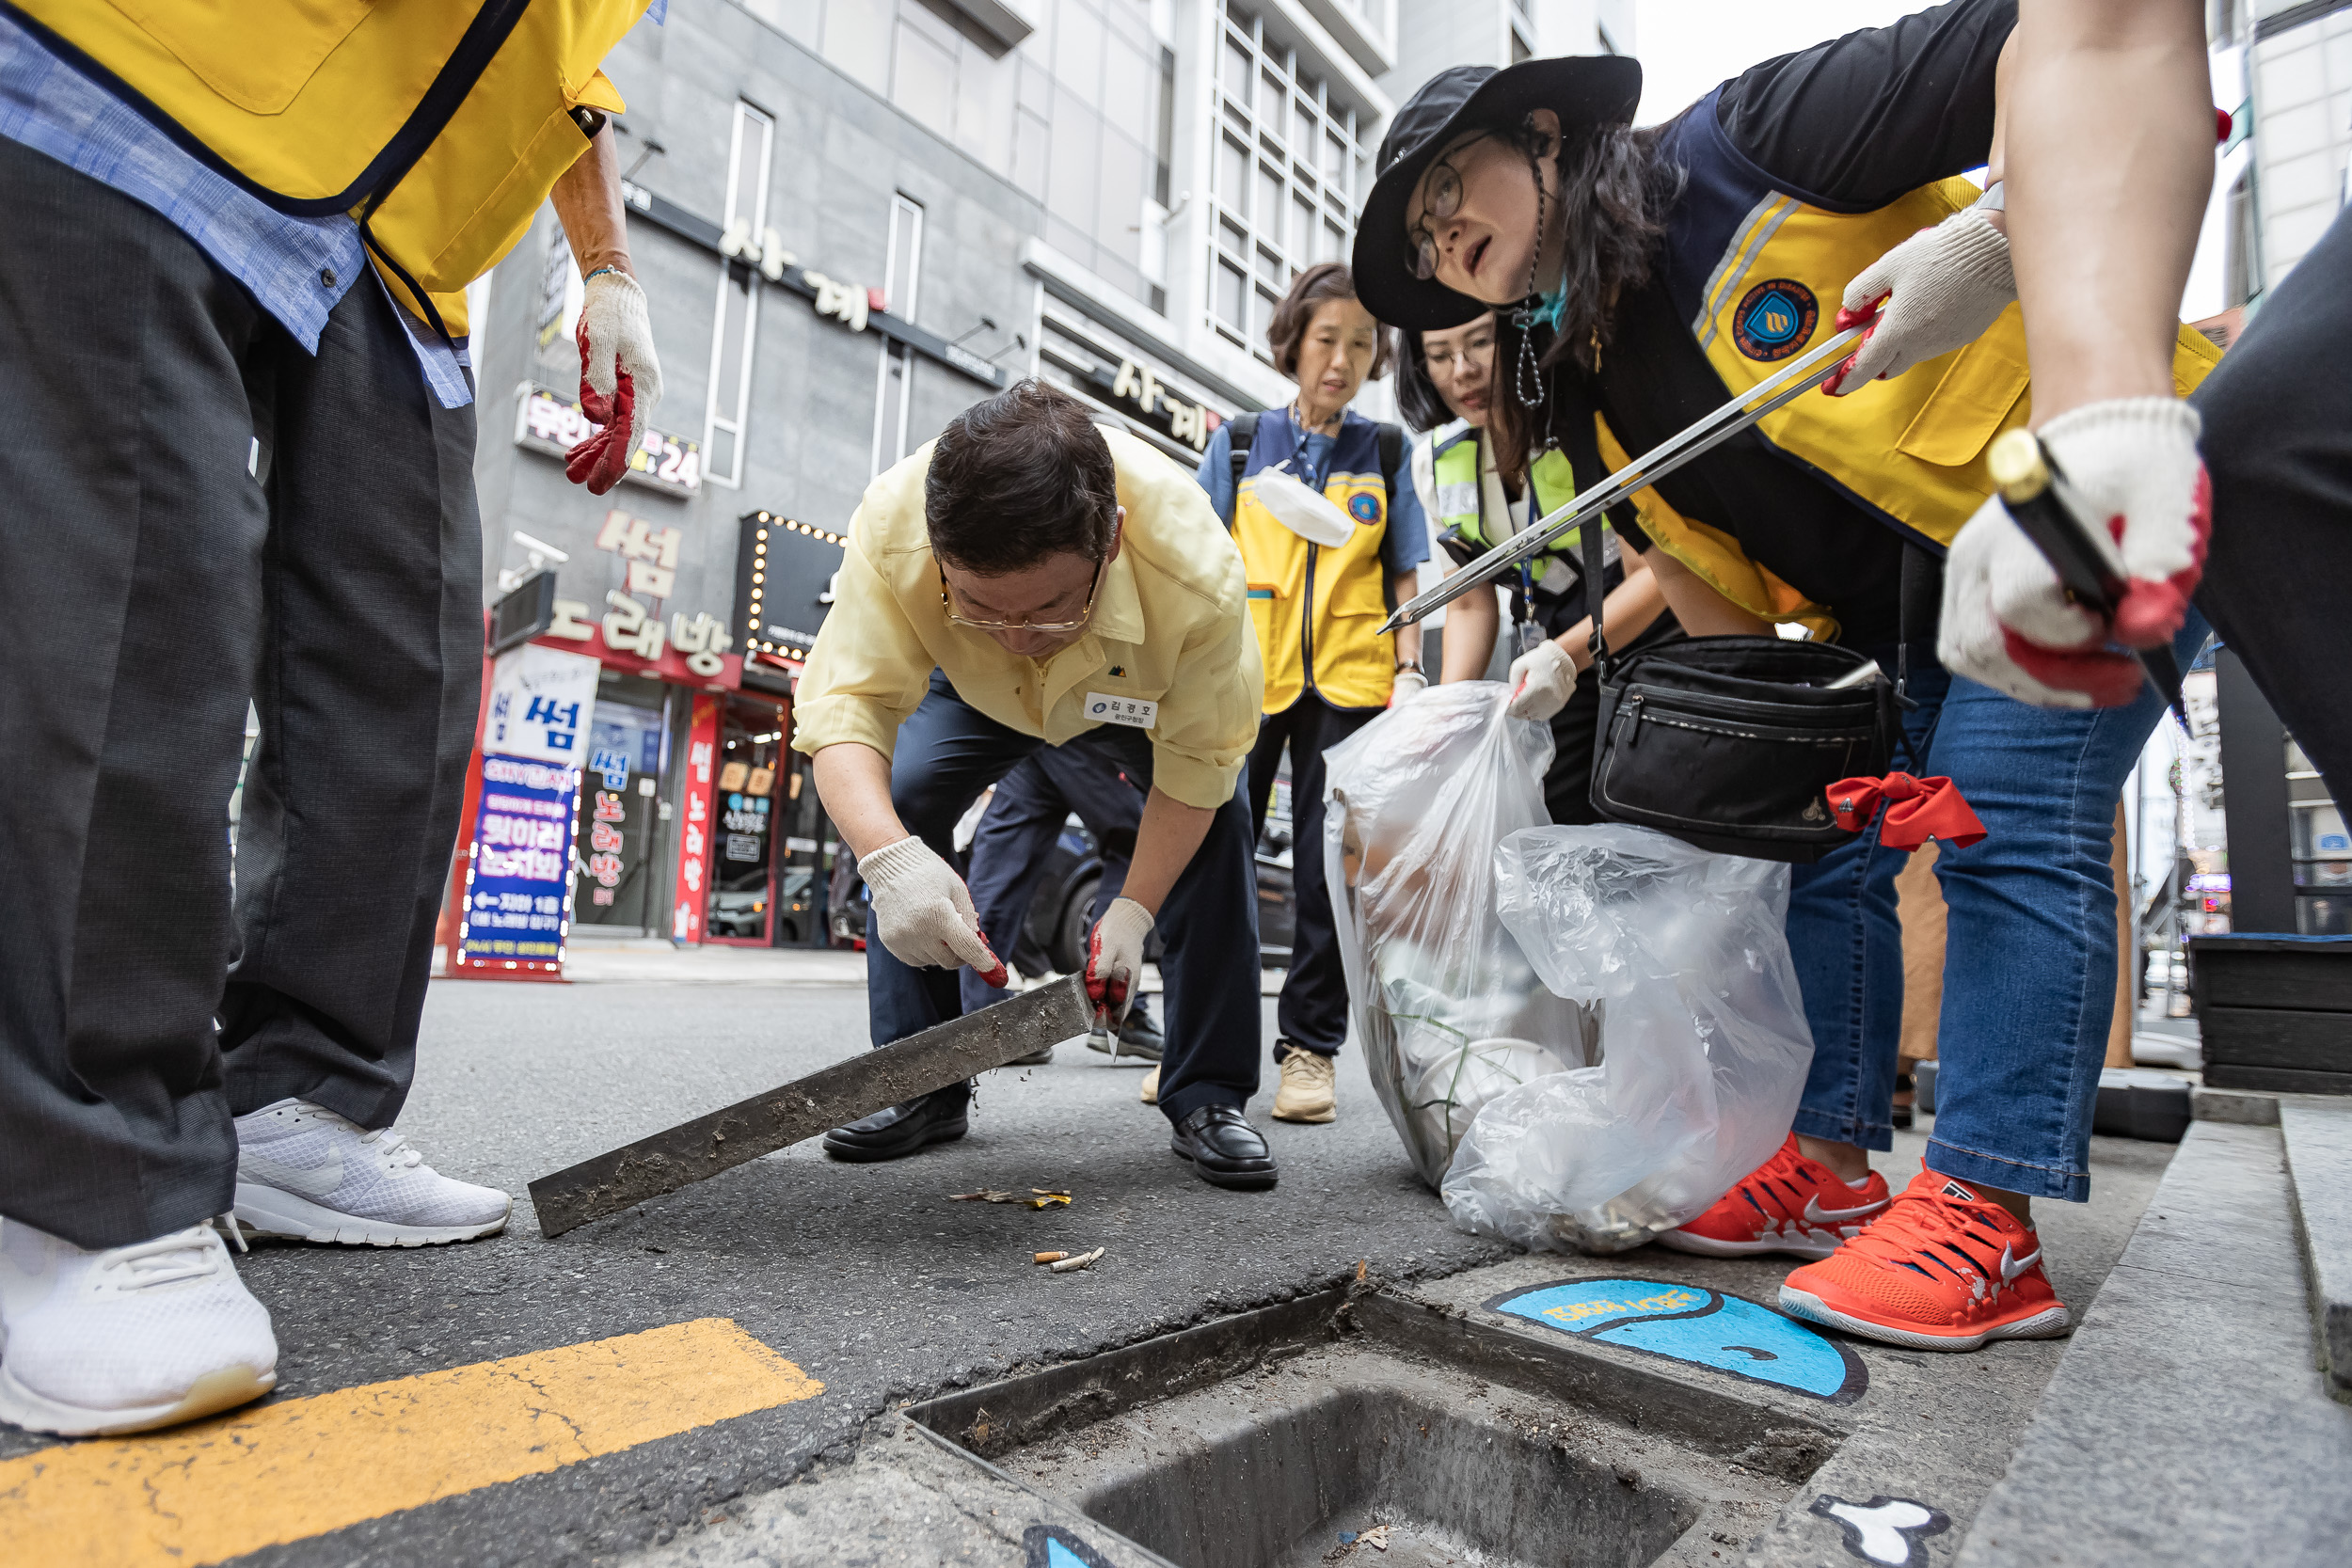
<point>956,617</point>
<point>1441,197</point>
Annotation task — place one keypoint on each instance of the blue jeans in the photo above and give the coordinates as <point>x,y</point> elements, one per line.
<point>2029,939</point>
<point>947,752</point>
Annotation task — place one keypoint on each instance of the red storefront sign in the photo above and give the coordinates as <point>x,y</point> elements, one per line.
<point>695,812</point>
<point>669,665</point>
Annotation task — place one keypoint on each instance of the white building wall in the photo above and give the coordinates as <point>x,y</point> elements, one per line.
<point>2302,93</point>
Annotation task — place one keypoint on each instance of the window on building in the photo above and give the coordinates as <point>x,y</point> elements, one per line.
<point>1164,132</point>
<point>894,377</point>
<point>735,322</point>
<point>1291,203</point>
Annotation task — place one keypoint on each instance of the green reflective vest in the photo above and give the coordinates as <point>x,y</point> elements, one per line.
<point>1454,476</point>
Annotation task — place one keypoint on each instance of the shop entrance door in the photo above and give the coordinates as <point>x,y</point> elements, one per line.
<point>612,859</point>
<point>742,863</point>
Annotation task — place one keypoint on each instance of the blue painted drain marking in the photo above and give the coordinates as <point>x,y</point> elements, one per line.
<point>1692,1323</point>
<point>1051,1547</point>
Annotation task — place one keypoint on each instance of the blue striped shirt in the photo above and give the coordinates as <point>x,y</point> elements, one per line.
<point>297,269</point>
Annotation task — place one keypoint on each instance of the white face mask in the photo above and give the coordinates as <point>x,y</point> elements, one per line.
<point>1307,512</point>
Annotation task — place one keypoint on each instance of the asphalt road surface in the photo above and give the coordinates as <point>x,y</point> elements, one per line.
<point>813,1295</point>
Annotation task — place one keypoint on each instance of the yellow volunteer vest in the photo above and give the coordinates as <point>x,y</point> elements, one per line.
<point>442,123</point>
<point>1314,608</point>
<point>1912,448</point>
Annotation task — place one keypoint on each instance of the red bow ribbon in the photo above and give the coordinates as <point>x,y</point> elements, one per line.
<point>1917,810</point>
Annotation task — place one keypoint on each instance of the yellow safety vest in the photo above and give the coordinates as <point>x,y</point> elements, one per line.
<point>1911,448</point>
<point>442,124</point>
<point>1318,607</point>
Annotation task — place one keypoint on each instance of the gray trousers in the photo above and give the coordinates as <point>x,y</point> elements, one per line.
<point>155,583</point>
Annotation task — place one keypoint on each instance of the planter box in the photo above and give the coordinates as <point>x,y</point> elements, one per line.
<point>2275,1012</point>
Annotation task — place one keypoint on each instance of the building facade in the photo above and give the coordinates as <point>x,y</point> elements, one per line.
<point>853,219</point>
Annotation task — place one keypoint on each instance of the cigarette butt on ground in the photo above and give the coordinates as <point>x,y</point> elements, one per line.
<point>1048,1256</point>
<point>1082,1261</point>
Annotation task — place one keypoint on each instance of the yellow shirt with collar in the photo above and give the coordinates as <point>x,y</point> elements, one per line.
<point>1170,626</point>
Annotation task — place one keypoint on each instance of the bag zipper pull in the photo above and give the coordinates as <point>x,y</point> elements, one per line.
<point>1634,703</point>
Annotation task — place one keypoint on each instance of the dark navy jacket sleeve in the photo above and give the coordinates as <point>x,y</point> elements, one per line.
<point>1855,123</point>
<point>1405,545</point>
<point>1216,473</point>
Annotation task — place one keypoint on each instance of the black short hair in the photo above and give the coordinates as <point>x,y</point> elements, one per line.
<point>1020,477</point>
<point>1417,396</point>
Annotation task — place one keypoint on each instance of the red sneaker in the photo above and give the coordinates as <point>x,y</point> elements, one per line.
<point>1787,1204</point>
<point>1941,1269</point>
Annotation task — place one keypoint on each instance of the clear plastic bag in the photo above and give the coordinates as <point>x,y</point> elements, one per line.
<point>1703,1045</point>
<point>1448,1010</point>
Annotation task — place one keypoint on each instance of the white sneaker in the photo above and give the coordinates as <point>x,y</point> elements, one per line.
<point>305,1172</point>
<point>127,1339</point>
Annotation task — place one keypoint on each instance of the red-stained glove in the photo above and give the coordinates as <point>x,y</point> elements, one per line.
<point>2132,463</point>
<point>620,379</point>
<point>922,912</point>
<point>1936,292</point>
<point>1115,959</point>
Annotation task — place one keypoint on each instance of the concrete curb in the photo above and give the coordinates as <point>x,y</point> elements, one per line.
<point>2319,1173</point>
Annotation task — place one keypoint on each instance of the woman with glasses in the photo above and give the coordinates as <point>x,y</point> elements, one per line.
<point>1480,488</point>
<point>1332,537</point>
<point>1668,268</point>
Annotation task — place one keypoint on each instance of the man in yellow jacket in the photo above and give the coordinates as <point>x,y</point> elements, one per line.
<point>232,330</point>
<point>1026,579</point>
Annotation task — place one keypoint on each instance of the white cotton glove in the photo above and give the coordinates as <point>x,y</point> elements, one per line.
<point>1943,287</point>
<point>619,334</point>
<point>2131,467</point>
<point>923,911</point>
<point>1410,684</point>
<point>1542,681</point>
<point>1115,957</point>
<point>620,380</point>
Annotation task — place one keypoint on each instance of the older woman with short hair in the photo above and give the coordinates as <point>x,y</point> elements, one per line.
<point>1317,598</point>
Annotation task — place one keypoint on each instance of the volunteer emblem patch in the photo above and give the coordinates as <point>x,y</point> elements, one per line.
<point>1364,507</point>
<point>1775,318</point>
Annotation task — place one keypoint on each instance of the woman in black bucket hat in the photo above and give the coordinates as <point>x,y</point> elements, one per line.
<point>1661,271</point>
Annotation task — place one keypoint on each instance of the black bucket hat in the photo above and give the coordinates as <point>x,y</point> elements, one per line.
<point>1584,90</point>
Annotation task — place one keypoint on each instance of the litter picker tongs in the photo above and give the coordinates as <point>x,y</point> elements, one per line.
<point>1784,386</point>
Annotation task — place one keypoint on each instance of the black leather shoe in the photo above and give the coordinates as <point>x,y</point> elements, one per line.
<point>936,1117</point>
<point>1139,1038</point>
<point>1225,1150</point>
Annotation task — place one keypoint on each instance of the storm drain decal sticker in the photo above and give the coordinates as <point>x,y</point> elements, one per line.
<point>1884,1529</point>
<point>1694,1324</point>
<point>1051,1547</point>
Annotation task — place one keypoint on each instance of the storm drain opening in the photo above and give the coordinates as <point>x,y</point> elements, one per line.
<point>1367,1429</point>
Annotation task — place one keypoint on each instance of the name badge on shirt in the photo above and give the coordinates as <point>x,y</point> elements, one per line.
<point>1105,709</point>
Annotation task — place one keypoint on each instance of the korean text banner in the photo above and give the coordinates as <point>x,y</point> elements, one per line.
<point>540,703</point>
<point>518,884</point>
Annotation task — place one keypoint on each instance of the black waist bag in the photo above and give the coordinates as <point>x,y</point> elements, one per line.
<point>1731,743</point>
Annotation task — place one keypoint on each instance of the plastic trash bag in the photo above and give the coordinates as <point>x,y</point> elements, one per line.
<point>1449,1011</point>
<point>1310,514</point>
<point>1704,1046</point>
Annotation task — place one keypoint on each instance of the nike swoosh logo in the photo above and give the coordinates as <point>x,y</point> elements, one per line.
<point>315,1182</point>
<point>1816,1215</point>
<point>2012,1267</point>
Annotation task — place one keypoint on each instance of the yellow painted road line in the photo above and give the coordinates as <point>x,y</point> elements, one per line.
<point>301,1467</point>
